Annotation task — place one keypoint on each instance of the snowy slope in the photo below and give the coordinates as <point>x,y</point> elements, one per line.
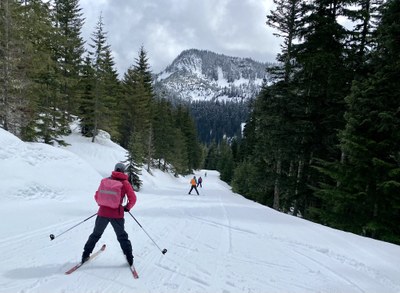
<point>217,242</point>
<point>199,75</point>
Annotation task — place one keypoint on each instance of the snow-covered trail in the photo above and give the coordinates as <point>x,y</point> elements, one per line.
<point>217,242</point>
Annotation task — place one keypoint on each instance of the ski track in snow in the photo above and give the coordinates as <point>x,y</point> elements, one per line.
<point>181,269</point>
<point>217,242</point>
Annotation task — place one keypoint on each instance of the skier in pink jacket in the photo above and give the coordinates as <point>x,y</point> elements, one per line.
<point>115,216</point>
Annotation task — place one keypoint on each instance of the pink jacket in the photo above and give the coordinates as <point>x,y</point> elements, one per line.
<point>127,189</point>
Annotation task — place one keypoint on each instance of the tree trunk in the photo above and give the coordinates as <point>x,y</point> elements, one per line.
<point>277,185</point>
<point>296,191</point>
<point>5,98</point>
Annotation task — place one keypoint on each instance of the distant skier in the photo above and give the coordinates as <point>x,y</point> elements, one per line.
<point>199,181</point>
<point>109,197</point>
<point>193,183</point>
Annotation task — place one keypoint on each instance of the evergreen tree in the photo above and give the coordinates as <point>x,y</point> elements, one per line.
<point>112,96</point>
<point>295,120</point>
<point>225,163</point>
<point>185,123</point>
<point>17,104</point>
<point>277,123</point>
<point>278,143</point>
<point>212,157</point>
<point>163,134</point>
<point>245,181</point>
<point>364,14</point>
<point>180,161</point>
<point>323,81</point>
<point>99,46</point>
<point>105,82</point>
<point>8,48</point>
<point>68,51</point>
<point>134,161</point>
<point>87,100</point>
<point>48,123</point>
<point>138,97</point>
<point>365,197</point>
<point>285,19</point>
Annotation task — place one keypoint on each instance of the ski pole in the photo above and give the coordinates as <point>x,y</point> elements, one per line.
<point>164,251</point>
<point>52,235</point>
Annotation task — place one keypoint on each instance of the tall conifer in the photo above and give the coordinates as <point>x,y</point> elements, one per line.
<point>365,199</point>
<point>68,19</point>
<point>138,101</point>
<point>105,87</point>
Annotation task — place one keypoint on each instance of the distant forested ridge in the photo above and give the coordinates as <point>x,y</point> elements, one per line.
<point>219,120</point>
<point>216,87</point>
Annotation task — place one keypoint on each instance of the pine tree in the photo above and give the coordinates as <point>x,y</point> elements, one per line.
<point>134,161</point>
<point>48,123</point>
<point>163,134</point>
<point>212,157</point>
<point>225,163</point>
<point>184,122</point>
<point>245,181</point>
<point>17,104</point>
<point>105,83</point>
<point>112,96</point>
<point>365,199</point>
<point>364,14</point>
<point>68,51</point>
<point>138,101</point>
<point>278,142</point>
<point>323,81</point>
<point>285,19</point>
<point>87,99</point>
<point>277,116</point>
<point>180,161</point>
<point>295,120</point>
<point>8,42</point>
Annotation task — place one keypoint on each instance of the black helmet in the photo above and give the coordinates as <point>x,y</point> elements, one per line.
<point>120,167</point>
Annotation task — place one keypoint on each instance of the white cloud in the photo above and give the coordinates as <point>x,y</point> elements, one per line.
<point>166,27</point>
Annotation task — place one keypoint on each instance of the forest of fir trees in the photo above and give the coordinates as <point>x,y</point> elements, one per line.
<point>47,79</point>
<point>323,140</point>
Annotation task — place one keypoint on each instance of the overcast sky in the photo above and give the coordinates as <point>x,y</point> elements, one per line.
<point>167,27</point>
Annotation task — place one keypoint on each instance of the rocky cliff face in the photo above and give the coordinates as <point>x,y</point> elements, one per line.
<point>197,75</point>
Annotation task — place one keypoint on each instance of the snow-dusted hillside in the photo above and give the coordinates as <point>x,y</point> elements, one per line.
<point>204,75</point>
<point>217,242</point>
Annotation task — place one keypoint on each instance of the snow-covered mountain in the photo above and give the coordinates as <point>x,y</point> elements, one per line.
<point>204,75</point>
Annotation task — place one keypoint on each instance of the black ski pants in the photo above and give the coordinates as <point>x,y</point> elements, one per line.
<point>99,227</point>
<point>195,188</point>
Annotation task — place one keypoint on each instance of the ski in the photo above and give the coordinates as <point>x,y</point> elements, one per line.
<point>92,256</point>
<point>134,272</point>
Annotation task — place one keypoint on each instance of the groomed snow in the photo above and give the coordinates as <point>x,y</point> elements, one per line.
<point>217,242</point>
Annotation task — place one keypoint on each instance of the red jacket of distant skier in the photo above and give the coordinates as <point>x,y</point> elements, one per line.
<point>126,189</point>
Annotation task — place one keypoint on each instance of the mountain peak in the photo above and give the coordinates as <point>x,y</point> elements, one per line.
<point>205,75</point>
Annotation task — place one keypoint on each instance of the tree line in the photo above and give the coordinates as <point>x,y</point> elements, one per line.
<point>323,140</point>
<point>218,119</point>
<point>47,78</point>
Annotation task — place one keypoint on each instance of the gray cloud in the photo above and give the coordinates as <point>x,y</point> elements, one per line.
<point>167,27</point>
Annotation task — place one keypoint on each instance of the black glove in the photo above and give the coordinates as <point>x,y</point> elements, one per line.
<point>126,209</point>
